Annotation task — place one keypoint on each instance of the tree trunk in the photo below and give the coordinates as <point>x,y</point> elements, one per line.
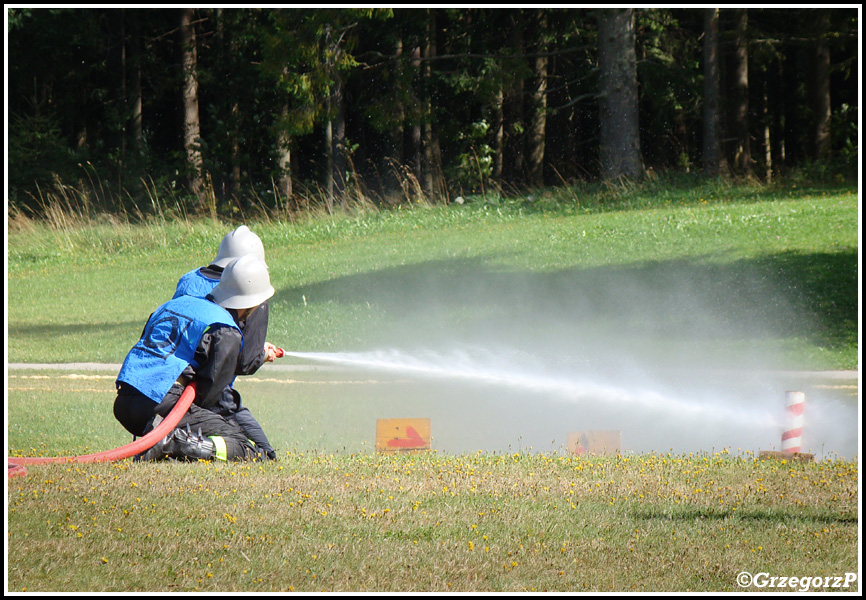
<point>821,87</point>
<point>191,127</point>
<point>117,69</point>
<point>514,147</point>
<point>235,146</point>
<point>538,122</point>
<point>284,159</point>
<point>335,127</point>
<point>395,154</point>
<point>136,134</point>
<point>740,120</point>
<point>338,147</point>
<point>329,169</point>
<point>618,110</point>
<point>228,46</point>
<point>431,171</point>
<point>714,163</point>
<point>765,126</point>
<point>779,102</point>
<point>415,140</point>
<point>498,134</point>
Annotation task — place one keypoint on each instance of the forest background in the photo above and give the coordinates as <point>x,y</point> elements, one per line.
<point>227,112</point>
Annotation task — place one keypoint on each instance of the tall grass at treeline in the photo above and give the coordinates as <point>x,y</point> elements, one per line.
<point>93,200</point>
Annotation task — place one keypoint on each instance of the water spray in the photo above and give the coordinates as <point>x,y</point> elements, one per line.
<point>460,366</point>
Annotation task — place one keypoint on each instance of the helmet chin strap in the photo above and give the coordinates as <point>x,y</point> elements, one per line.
<point>241,314</point>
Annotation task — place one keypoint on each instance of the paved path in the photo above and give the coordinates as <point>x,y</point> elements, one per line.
<point>87,366</point>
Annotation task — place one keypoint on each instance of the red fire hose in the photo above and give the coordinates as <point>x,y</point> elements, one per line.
<point>16,464</point>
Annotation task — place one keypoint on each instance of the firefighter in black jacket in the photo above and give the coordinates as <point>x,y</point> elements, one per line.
<point>256,350</point>
<point>193,339</point>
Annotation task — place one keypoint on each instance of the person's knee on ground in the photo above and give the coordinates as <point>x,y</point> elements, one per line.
<point>183,444</point>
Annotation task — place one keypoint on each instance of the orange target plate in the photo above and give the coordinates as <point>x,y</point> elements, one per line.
<point>402,435</point>
<point>594,442</point>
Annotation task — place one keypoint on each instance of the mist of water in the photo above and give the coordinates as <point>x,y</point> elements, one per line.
<point>676,354</point>
<point>479,367</point>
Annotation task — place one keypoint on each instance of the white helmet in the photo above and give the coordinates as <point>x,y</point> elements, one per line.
<point>237,243</point>
<point>244,283</point>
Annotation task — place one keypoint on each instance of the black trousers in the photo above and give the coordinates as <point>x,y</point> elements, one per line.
<point>136,412</point>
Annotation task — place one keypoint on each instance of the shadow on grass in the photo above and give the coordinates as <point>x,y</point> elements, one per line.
<point>71,342</point>
<point>787,295</point>
<point>639,306</point>
<point>744,514</point>
<point>129,329</point>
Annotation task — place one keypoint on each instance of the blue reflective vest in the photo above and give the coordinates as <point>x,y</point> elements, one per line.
<point>195,284</point>
<point>168,344</point>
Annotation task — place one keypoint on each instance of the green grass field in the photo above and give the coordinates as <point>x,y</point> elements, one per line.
<point>702,296</point>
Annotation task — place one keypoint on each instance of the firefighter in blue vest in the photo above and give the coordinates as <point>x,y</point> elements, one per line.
<point>193,339</point>
<point>256,350</point>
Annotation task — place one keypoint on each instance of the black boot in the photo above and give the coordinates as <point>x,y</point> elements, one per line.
<point>185,444</point>
<point>181,444</point>
<point>157,451</point>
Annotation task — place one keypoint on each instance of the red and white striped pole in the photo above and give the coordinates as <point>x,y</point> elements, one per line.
<point>792,437</point>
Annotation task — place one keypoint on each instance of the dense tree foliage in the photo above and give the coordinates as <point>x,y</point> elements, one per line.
<point>277,108</point>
